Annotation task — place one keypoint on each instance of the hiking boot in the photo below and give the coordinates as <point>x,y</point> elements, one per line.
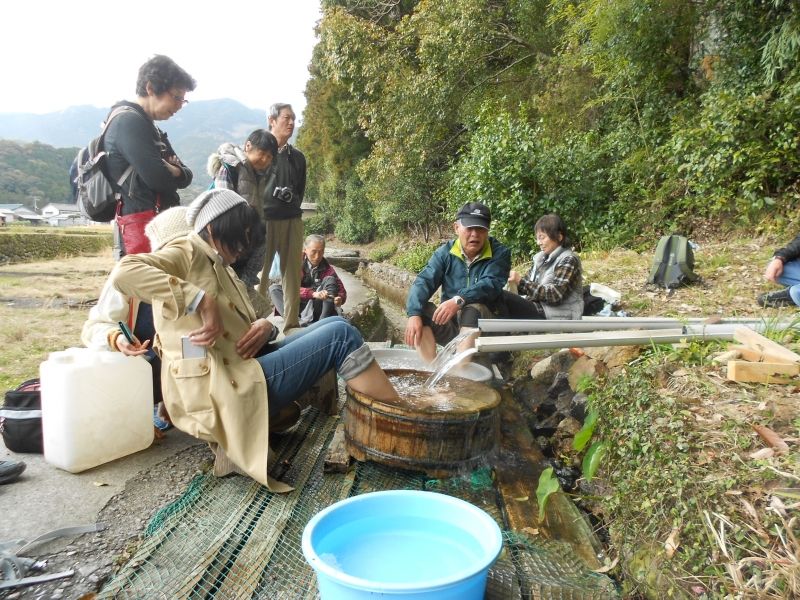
<point>775,299</point>
<point>10,470</point>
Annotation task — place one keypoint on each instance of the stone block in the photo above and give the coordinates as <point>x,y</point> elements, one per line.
<point>585,367</point>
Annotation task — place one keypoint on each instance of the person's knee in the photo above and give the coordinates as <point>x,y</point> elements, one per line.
<point>471,313</point>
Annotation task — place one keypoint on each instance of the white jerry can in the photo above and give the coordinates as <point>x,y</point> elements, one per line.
<point>97,406</point>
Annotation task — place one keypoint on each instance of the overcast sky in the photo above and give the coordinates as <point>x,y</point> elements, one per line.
<point>60,53</point>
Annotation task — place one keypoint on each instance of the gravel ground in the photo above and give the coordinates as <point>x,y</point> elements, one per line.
<point>96,556</point>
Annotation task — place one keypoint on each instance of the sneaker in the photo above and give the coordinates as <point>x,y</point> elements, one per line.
<point>775,299</point>
<point>10,470</point>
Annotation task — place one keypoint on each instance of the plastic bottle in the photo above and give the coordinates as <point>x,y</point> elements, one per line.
<point>96,406</point>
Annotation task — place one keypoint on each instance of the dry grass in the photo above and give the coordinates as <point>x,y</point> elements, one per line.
<point>33,319</point>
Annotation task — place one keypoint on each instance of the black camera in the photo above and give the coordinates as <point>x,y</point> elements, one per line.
<point>283,193</point>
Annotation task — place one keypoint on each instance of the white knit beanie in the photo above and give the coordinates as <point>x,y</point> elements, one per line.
<point>166,226</point>
<point>209,205</point>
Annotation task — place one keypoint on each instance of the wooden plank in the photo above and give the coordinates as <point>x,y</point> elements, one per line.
<point>768,356</point>
<point>337,460</point>
<point>518,470</point>
<point>731,354</point>
<point>756,341</point>
<point>761,372</point>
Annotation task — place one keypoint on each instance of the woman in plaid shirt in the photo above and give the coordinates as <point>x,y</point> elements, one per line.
<point>553,288</point>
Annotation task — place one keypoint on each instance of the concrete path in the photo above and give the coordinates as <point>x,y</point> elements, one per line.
<point>46,498</point>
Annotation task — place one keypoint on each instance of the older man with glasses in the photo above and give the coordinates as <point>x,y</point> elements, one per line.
<point>286,185</point>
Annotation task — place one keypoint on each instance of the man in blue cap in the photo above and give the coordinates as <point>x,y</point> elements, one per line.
<point>471,271</point>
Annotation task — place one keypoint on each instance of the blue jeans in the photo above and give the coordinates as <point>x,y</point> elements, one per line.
<point>297,362</point>
<point>791,278</point>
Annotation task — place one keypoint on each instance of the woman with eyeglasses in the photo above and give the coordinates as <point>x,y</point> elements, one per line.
<point>139,153</point>
<point>222,379</point>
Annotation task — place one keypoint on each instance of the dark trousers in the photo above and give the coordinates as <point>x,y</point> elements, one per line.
<point>322,308</point>
<point>518,307</point>
<point>144,329</point>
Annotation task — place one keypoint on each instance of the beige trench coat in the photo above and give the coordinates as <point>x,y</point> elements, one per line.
<point>221,398</point>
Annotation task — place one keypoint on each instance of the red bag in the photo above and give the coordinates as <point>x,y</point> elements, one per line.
<point>131,230</point>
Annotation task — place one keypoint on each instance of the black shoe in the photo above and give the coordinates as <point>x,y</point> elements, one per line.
<point>286,418</point>
<point>10,470</point>
<point>775,299</point>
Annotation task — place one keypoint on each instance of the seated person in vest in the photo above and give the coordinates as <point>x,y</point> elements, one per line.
<point>101,330</point>
<point>471,270</point>
<point>784,268</point>
<point>553,288</point>
<point>245,172</point>
<point>235,383</point>
<point>321,290</point>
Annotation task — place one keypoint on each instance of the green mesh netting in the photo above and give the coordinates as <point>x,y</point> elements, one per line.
<point>230,538</point>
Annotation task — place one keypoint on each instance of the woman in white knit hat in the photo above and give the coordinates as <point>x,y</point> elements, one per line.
<point>101,329</point>
<point>222,381</point>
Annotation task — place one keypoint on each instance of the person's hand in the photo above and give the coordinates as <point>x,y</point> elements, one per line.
<point>445,311</point>
<point>337,301</point>
<point>514,277</point>
<point>320,295</point>
<point>413,331</point>
<point>128,349</point>
<point>212,323</point>
<point>774,270</point>
<point>254,338</point>
<point>173,168</point>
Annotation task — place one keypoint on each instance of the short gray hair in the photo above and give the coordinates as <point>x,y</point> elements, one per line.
<point>275,111</point>
<point>315,238</point>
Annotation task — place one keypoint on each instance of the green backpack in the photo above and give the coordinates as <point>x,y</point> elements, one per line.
<point>673,263</point>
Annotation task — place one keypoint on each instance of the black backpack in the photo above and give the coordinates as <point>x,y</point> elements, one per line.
<point>95,195</point>
<point>673,263</point>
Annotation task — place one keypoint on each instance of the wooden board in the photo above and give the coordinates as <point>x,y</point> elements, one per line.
<point>337,460</point>
<point>518,470</point>
<point>756,341</point>
<point>761,372</point>
<point>767,356</point>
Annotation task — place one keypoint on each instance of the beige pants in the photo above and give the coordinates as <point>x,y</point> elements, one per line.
<point>285,237</point>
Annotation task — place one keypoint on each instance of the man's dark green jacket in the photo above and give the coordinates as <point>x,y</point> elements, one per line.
<point>479,283</point>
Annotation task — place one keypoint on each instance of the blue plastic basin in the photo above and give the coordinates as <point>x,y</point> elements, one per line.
<point>403,543</point>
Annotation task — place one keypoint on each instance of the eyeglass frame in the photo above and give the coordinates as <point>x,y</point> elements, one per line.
<point>180,99</point>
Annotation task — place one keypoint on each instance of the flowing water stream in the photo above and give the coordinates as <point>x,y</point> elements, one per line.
<point>450,357</point>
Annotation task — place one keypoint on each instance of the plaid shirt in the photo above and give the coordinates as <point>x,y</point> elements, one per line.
<point>565,276</point>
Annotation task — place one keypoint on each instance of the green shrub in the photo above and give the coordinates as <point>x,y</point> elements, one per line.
<point>382,253</point>
<point>357,224</point>
<point>415,259</point>
<point>737,150</point>
<point>511,166</point>
<point>19,246</point>
<point>316,223</point>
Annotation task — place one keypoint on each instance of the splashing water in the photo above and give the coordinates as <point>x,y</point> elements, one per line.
<point>442,371</point>
<point>450,350</point>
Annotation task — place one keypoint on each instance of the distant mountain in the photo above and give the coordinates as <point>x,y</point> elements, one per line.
<point>195,132</point>
<point>34,174</point>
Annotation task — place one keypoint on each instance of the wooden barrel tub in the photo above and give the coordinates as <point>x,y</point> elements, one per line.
<point>438,439</point>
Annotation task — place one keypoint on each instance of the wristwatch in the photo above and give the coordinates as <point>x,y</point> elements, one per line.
<point>459,301</point>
